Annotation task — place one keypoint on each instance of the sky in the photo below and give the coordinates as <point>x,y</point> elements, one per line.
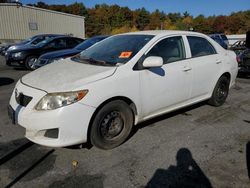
<point>194,7</point>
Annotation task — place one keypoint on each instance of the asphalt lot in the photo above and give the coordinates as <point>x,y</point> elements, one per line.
<point>200,145</point>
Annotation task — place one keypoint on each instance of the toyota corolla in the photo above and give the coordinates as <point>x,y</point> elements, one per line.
<point>99,95</point>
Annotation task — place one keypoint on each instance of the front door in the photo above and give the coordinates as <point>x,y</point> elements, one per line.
<point>167,86</point>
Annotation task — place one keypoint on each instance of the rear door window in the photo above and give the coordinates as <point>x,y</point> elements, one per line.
<point>58,43</point>
<point>223,37</point>
<point>71,43</point>
<point>200,46</point>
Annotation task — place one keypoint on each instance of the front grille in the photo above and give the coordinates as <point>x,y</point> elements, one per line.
<point>22,99</point>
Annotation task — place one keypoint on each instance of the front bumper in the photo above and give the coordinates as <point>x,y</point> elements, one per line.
<point>71,121</point>
<point>10,60</point>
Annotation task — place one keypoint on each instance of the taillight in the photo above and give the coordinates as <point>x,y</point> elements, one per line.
<point>238,59</point>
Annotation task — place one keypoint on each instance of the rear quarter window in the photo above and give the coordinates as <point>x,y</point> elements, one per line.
<point>223,37</point>
<point>200,46</point>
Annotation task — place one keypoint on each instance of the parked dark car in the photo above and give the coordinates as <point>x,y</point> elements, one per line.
<point>222,36</point>
<point>53,56</point>
<point>244,63</point>
<point>219,40</point>
<point>2,48</point>
<point>30,41</point>
<point>244,58</point>
<point>27,55</point>
<point>238,46</point>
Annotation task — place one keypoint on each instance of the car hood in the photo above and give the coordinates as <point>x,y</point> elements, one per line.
<point>60,53</point>
<point>66,75</point>
<point>19,46</point>
<point>22,48</point>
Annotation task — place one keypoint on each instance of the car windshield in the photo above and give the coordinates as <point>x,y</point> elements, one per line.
<point>114,50</point>
<point>224,37</point>
<point>87,43</point>
<point>44,42</point>
<point>40,39</point>
<point>28,39</point>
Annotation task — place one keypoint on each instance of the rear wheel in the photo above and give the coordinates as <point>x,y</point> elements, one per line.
<point>111,125</point>
<point>29,62</point>
<point>220,92</point>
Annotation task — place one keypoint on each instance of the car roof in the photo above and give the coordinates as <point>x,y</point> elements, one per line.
<point>99,36</point>
<point>65,36</point>
<point>164,32</point>
<point>49,35</point>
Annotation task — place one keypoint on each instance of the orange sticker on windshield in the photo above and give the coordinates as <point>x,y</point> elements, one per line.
<point>124,55</point>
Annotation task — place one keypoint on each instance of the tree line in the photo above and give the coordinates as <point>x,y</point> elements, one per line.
<point>113,19</point>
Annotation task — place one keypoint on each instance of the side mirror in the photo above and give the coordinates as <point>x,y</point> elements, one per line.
<point>153,61</point>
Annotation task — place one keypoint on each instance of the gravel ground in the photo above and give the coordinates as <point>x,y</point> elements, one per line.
<point>199,146</point>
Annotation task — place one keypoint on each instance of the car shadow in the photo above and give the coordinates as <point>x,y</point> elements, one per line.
<point>20,69</point>
<point>6,81</point>
<point>186,173</point>
<point>248,159</point>
<point>86,145</point>
<point>157,70</point>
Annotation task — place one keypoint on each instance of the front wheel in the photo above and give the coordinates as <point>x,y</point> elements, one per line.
<point>29,62</point>
<point>220,92</point>
<point>111,125</point>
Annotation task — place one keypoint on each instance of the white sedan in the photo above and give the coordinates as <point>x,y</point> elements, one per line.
<point>99,95</point>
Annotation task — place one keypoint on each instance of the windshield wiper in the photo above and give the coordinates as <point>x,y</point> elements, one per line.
<point>97,62</point>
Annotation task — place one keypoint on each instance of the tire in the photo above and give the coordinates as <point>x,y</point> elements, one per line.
<point>220,92</point>
<point>28,62</point>
<point>8,63</point>
<point>111,125</point>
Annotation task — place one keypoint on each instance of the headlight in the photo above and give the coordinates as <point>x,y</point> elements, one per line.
<point>18,54</point>
<point>12,48</point>
<point>53,101</point>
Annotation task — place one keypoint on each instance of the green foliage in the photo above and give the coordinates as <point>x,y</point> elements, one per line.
<point>141,18</point>
<point>113,19</point>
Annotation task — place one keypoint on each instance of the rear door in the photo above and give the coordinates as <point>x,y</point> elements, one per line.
<point>206,65</point>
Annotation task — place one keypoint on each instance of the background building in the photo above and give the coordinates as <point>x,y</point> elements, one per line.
<point>19,22</point>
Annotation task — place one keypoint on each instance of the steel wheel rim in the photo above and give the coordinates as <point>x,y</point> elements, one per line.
<point>111,125</point>
<point>222,91</point>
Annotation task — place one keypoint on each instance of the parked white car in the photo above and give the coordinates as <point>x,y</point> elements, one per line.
<point>101,94</point>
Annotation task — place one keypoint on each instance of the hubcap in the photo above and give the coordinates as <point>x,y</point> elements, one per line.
<point>32,61</point>
<point>112,125</point>
<point>222,91</point>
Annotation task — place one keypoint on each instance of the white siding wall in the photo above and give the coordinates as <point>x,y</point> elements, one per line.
<point>14,22</point>
<point>234,38</point>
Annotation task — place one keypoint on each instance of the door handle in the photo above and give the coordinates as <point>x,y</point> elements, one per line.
<point>186,69</point>
<point>218,62</point>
